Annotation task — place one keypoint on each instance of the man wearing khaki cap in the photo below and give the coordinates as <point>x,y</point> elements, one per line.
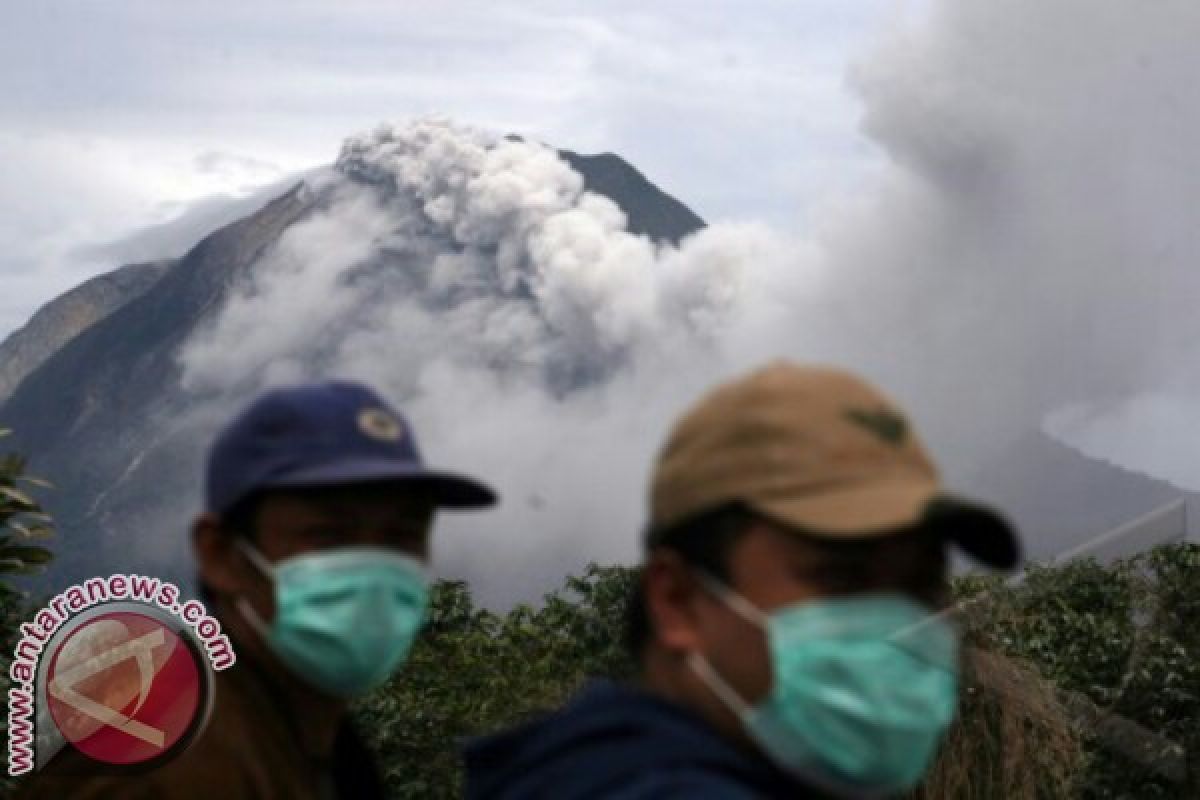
<point>785,623</point>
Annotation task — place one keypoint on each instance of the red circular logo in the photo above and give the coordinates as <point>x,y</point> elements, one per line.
<point>124,687</point>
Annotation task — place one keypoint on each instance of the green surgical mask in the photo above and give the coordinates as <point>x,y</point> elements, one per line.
<point>863,688</point>
<point>345,619</point>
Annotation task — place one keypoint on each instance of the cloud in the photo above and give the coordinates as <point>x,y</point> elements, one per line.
<point>74,206</point>
<point>179,234</point>
<point>159,91</point>
<point>244,172</point>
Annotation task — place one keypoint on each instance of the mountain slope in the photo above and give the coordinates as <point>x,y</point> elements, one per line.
<point>64,317</point>
<point>1061,498</point>
<point>651,211</point>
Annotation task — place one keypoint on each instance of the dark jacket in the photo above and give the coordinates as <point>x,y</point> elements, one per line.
<point>250,750</point>
<point>620,743</point>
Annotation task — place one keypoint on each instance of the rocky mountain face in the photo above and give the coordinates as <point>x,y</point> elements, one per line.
<point>64,317</point>
<point>651,212</point>
<point>83,413</point>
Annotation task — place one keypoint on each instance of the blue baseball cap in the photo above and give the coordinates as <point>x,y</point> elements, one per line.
<point>327,434</point>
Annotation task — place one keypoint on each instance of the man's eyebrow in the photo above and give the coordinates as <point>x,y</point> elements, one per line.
<point>820,561</point>
<point>846,550</point>
<point>326,508</point>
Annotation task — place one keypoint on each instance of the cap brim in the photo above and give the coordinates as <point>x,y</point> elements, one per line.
<point>884,507</point>
<point>449,490</point>
<point>980,531</point>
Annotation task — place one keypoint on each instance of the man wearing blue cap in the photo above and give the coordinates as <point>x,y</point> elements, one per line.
<point>312,554</point>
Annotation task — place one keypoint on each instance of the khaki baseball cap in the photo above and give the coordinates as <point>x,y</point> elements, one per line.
<point>820,451</point>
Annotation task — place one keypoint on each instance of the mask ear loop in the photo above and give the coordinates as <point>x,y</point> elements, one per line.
<point>241,603</point>
<point>254,557</point>
<point>734,601</point>
<point>949,619</point>
<point>701,666</point>
<point>724,692</point>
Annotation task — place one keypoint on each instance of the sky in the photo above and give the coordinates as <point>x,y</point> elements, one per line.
<point>119,116</point>
<point>989,208</point>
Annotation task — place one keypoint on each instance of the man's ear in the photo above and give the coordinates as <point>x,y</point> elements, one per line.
<point>671,599</point>
<point>221,565</point>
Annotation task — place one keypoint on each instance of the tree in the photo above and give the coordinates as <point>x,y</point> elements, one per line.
<point>1118,645</point>
<point>23,524</point>
<point>475,671</point>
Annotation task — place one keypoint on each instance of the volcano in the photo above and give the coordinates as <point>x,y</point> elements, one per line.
<point>423,243</point>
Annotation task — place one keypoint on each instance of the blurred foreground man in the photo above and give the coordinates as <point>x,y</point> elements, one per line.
<point>785,624</point>
<point>312,555</point>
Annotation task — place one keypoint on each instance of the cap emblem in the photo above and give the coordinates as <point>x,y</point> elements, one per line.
<point>379,424</point>
<point>882,423</point>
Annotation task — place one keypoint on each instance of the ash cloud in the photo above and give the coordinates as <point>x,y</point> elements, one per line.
<point>1036,234</point>
<point>436,241</point>
<point>528,334</point>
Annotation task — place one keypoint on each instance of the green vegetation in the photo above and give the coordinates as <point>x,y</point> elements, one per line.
<point>475,671</point>
<point>1120,646</point>
<point>1078,682</point>
<point>22,525</point>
